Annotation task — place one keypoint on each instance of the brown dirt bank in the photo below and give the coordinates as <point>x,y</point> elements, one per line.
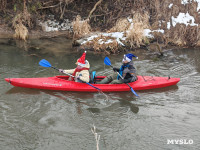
<point>6,32</point>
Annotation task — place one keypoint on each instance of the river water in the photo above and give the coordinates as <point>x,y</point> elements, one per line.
<point>41,119</point>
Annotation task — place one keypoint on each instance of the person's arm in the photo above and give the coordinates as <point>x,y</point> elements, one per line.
<point>116,69</point>
<point>71,71</point>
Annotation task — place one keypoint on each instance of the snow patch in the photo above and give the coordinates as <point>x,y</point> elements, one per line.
<point>185,19</point>
<point>170,5</point>
<point>198,7</point>
<point>159,30</point>
<point>117,35</point>
<point>130,19</point>
<point>168,25</point>
<point>185,2</point>
<point>52,25</point>
<point>147,33</point>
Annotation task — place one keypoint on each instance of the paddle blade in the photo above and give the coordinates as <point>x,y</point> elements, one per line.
<point>44,63</point>
<point>107,61</point>
<point>134,92</point>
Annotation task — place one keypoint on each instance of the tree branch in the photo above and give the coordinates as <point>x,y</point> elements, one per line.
<point>93,9</point>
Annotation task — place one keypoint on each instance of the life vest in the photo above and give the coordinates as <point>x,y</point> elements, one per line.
<point>78,69</point>
<point>121,70</point>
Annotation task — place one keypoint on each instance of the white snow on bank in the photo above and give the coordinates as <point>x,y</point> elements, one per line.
<point>53,25</point>
<point>117,35</point>
<point>168,25</point>
<point>170,5</point>
<point>189,1</point>
<point>159,30</point>
<point>185,2</point>
<point>198,1</point>
<point>185,19</point>
<point>147,33</point>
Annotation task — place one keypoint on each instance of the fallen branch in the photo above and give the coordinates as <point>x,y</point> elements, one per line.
<point>97,137</point>
<point>50,6</point>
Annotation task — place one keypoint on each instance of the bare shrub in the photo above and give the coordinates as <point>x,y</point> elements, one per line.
<point>102,43</point>
<point>20,23</point>
<point>80,27</point>
<point>121,25</point>
<point>198,43</point>
<point>3,4</point>
<point>177,35</point>
<point>21,32</point>
<point>191,35</point>
<point>135,33</point>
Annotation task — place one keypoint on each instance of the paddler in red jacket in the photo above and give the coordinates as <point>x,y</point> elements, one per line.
<point>81,72</point>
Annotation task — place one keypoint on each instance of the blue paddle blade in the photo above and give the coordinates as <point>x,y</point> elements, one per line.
<point>107,61</point>
<point>44,63</point>
<point>134,92</point>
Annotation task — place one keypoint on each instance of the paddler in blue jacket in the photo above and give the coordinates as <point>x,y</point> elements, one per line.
<point>127,71</point>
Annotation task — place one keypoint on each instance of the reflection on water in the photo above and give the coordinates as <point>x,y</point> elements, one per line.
<point>42,119</point>
<point>87,99</point>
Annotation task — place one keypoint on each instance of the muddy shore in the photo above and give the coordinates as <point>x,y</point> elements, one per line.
<point>7,33</point>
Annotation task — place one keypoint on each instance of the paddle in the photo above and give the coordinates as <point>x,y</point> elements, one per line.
<point>108,63</point>
<point>45,63</point>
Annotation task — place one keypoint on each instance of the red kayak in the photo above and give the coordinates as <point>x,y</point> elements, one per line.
<point>62,84</point>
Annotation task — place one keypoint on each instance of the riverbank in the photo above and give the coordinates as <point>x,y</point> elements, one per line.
<point>131,26</point>
<point>8,33</point>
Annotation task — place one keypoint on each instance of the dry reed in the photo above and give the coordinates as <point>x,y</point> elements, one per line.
<point>80,27</point>
<point>135,33</point>
<point>121,25</point>
<point>102,44</point>
<point>20,23</point>
<point>21,31</point>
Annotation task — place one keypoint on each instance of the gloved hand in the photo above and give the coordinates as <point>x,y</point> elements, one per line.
<point>128,75</point>
<point>60,70</point>
<point>115,69</point>
<point>77,78</point>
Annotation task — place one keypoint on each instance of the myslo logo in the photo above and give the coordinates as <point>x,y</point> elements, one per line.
<point>180,141</point>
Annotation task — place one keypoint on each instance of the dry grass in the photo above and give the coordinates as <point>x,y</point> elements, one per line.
<point>21,32</point>
<point>191,35</point>
<point>198,43</point>
<point>133,28</point>
<point>3,4</point>
<point>20,22</point>
<point>135,33</point>
<point>177,35</point>
<point>121,25</point>
<point>80,27</point>
<point>99,45</point>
